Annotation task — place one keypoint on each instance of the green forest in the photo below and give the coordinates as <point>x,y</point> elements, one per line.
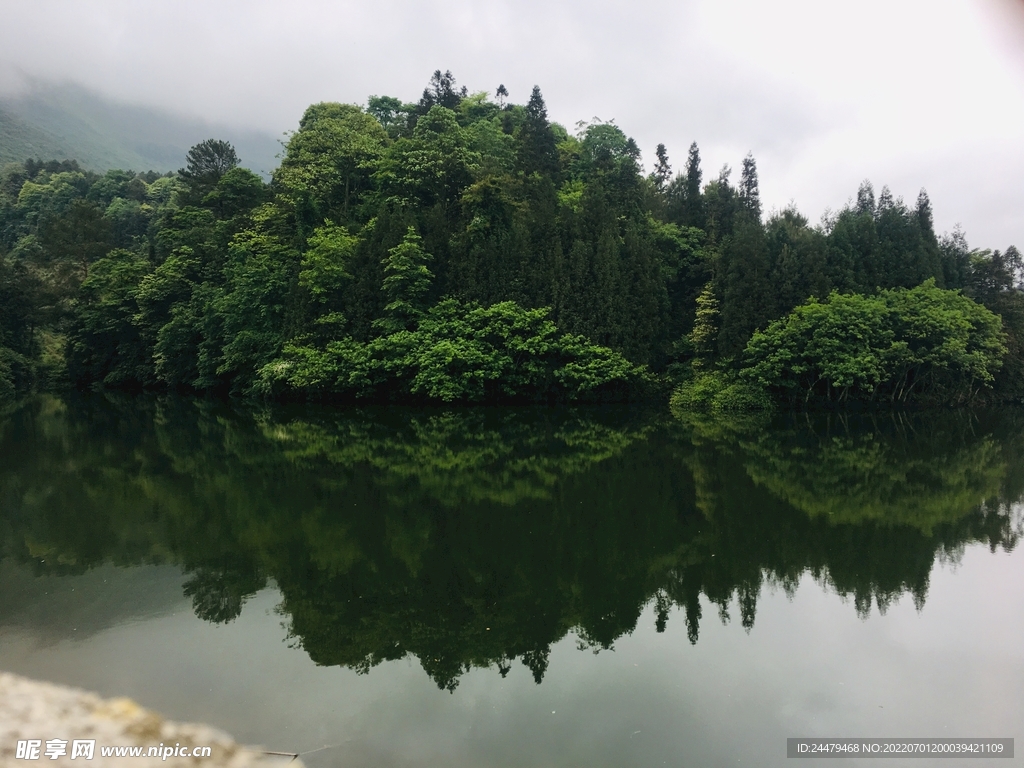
<point>464,248</point>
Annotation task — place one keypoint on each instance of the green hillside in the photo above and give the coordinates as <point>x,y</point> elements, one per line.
<point>70,122</point>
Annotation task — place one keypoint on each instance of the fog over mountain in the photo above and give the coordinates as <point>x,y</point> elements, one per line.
<point>72,122</point>
<point>920,93</point>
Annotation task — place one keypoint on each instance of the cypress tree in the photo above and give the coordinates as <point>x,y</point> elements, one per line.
<point>662,169</point>
<point>866,198</point>
<point>929,264</point>
<point>537,150</point>
<point>407,281</point>
<point>749,194</point>
<point>705,328</point>
<point>441,91</point>
<point>719,206</point>
<point>885,202</point>
<point>747,301</point>
<point>694,214</point>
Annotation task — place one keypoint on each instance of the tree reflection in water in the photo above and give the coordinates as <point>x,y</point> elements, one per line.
<point>473,538</point>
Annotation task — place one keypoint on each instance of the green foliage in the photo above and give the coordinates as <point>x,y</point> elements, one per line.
<point>329,160</point>
<point>104,344</point>
<point>460,352</point>
<point>407,281</point>
<point>433,166</point>
<point>238,191</point>
<point>205,164</point>
<point>705,327</point>
<point>719,391</point>
<point>325,263</point>
<point>260,272</point>
<point>902,345</point>
<point>391,113</point>
<point>7,390</point>
<point>376,215</point>
<point>18,374</point>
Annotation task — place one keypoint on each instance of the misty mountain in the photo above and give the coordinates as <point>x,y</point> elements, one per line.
<point>70,122</point>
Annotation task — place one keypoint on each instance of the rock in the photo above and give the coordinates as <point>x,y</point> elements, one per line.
<point>41,711</point>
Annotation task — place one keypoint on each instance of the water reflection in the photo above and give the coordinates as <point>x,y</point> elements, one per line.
<point>482,537</point>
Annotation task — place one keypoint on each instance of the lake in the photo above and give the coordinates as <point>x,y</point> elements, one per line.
<point>519,587</point>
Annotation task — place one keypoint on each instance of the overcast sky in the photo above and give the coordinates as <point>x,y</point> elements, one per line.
<point>909,93</point>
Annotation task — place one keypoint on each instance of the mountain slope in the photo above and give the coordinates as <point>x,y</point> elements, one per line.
<point>70,122</point>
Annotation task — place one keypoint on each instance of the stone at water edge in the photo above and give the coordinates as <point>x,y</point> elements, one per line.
<point>34,710</point>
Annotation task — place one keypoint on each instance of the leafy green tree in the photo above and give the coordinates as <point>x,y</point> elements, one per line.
<point>325,262</point>
<point>104,343</point>
<point>391,113</point>
<point>329,161</point>
<point>48,197</point>
<point>257,305</point>
<point>129,221</point>
<point>431,168</point>
<point>113,184</point>
<point>79,236</point>
<point>460,352</point>
<point>205,164</point>
<point>164,297</point>
<point>237,192</point>
<point>901,345</point>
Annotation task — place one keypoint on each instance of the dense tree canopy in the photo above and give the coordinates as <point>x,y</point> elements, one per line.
<point>383,218</point>
<point>894,344</point>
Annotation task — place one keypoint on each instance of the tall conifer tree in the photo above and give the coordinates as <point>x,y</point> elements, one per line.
<point>662,169</point>
<point>749,193</point>
<point>407,281</point>
<point>694,215</point>
<point>537,152</point>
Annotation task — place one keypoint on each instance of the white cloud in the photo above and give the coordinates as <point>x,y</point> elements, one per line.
<point>907,92</point>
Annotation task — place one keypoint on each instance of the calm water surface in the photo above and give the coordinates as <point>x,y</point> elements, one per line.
<point>529,587</point>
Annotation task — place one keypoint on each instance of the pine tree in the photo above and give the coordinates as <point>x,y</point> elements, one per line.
<point>705,328</point>
<point>866,198</point>
<point>1015,263</point>
<point>441,91</point>
<point>745,279</point>
<point>407,282</point>
<point>537,151</point>
<point>662,169</point>
<point>885,202</point>
<point>501,94</point>
<point>749,194</point>
<point>693,206</point>
<point>205,164</point>
<point>719,205</point>
<point>928,261</point>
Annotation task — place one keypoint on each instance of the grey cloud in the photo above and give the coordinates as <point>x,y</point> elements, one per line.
<point>653,66</point>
